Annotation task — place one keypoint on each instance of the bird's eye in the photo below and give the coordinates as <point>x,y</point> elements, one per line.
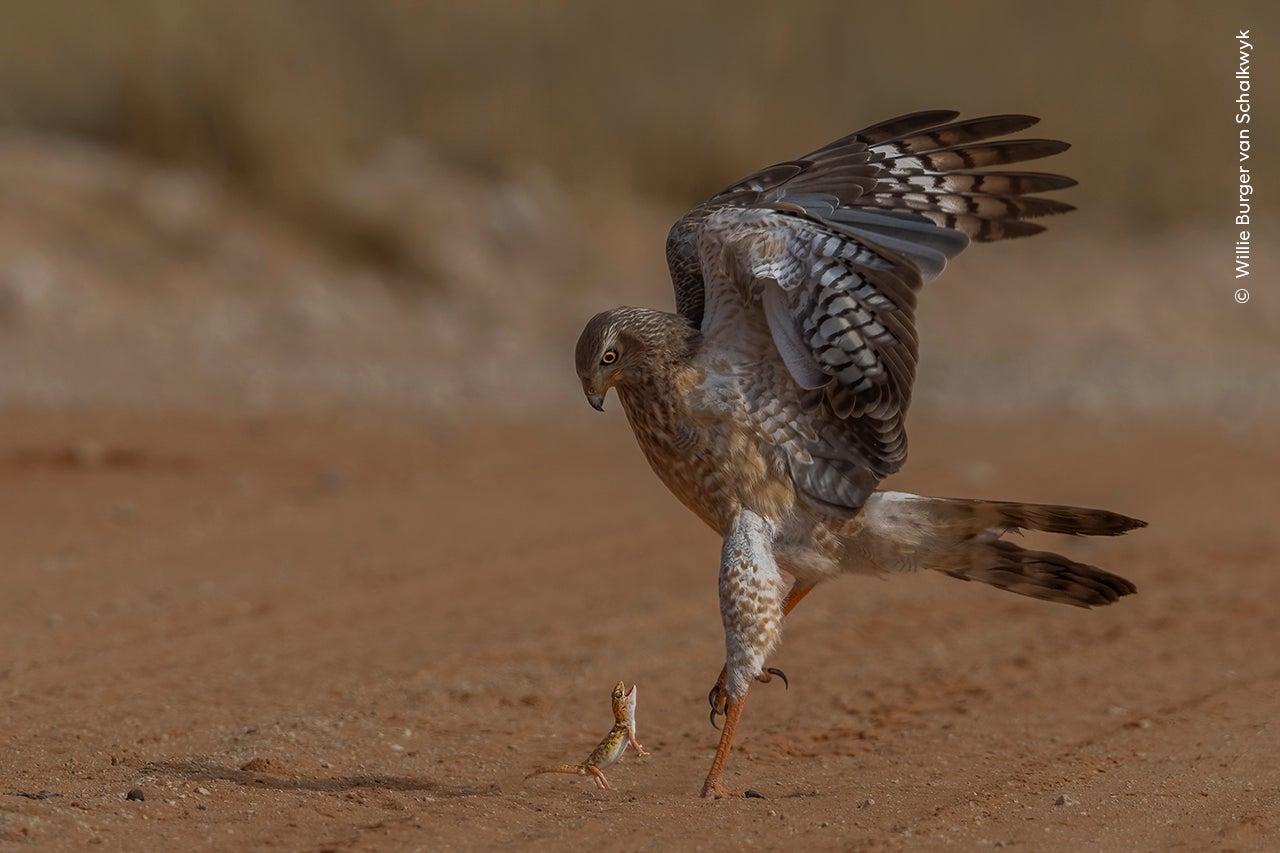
<point>609,357</point>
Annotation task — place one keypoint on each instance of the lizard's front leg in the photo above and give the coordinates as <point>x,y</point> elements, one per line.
<point>624,714</point>
<point>751,609</point>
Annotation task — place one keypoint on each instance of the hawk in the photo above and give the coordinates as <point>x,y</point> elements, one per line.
<point>773,401</point>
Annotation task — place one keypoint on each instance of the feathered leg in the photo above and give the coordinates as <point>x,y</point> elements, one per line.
<point>751,609</point>
<point>716,697</point>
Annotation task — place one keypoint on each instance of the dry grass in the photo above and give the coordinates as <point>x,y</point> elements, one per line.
<point>674,98</point>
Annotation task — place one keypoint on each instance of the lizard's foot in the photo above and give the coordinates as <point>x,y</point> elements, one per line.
<point>600,780</point>
<point>719,697</point>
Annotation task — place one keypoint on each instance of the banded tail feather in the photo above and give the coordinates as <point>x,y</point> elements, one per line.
<point>962,538</point>
<point>1043,575</point>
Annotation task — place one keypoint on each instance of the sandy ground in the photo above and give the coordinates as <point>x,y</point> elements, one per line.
<point>398,562</point>
<point>360,631</point>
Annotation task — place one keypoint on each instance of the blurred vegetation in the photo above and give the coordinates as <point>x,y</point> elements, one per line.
<point>672,99</point>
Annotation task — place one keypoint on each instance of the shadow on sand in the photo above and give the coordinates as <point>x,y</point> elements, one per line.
<point>201,772</point>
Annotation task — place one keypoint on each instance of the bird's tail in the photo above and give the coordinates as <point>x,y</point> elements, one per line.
<point>962,538</point>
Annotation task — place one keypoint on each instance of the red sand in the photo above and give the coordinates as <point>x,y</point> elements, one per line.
<point>360,632</point>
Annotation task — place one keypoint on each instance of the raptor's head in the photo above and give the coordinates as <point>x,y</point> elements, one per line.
<point>626,343</point>
<point>606,348</point>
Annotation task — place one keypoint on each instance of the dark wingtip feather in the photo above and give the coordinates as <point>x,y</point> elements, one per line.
<point>901,125</point>
<point>988,127</point>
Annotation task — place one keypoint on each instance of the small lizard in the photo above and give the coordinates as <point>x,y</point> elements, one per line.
<point>622,735</point>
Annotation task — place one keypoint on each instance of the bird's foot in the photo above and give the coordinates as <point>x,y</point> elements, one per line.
<point>717,791</point>
<point>767,676</point>
<point>718,697</point>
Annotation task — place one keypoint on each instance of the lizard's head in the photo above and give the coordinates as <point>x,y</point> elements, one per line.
<point>624,702</point>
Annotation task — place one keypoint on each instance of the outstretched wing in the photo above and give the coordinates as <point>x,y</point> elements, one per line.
<point>835,246</point>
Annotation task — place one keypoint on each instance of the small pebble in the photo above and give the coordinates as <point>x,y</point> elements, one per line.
<point>1066,800</point>
<point>867,803</point>
<point>202,790</point>
<point>135,794</point>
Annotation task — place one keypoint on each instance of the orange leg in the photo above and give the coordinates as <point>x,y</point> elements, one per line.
<point>793,598</point>
<point>713,788</point>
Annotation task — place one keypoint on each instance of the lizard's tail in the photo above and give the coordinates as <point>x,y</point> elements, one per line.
<point>574,769</point>
<point>961,538</point>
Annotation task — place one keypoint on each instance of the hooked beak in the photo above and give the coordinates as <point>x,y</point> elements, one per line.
<point>596,401</point>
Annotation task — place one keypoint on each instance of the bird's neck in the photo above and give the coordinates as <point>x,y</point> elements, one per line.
<point>653,391</point>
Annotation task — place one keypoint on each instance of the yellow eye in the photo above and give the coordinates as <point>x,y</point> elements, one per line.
<point>609,357</point>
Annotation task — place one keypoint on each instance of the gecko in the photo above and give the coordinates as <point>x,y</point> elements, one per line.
<point>622,735</point>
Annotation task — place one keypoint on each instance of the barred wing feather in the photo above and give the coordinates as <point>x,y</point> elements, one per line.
<point>836,245</point>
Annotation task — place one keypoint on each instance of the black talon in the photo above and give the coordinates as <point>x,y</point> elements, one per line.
<point>754,795</point>
<point>713,719</point>
<point>711,697</point>
<point>786,685</point>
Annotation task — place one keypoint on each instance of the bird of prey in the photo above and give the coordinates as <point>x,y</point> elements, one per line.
<point>773,401</point>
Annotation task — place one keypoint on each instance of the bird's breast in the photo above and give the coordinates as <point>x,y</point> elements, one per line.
<point>711,462</point>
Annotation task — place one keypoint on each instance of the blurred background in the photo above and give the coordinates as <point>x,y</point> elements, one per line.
<point>257,204</point>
